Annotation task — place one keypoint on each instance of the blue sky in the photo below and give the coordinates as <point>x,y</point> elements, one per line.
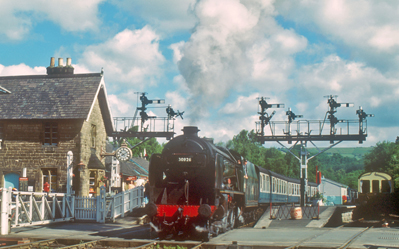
<point>214,58</point>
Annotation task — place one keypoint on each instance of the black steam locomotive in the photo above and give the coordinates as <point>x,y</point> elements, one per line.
<point>198,189</point>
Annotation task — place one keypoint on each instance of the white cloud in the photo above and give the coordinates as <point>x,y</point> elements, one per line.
<point>131,58</point>
<point>177,53</point>
<point>21,69</point>
<point>242,106</point>
<point>350,80</point>
<point>368,29</point>
<point>120,106</point>
<point>164,16</point>
<point>18,17</point>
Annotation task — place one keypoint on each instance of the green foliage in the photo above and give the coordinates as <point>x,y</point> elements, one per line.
<point>384,157</point>
<point>247,145</point>
<point>151,146</point>
<point>343,169</point>
<point>350,152</point>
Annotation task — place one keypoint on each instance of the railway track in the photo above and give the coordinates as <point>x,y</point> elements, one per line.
<point>345,244</point>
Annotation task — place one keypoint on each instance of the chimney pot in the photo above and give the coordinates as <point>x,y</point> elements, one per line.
<point>60,62</point>
<point>69,62</point>
<point>52,62</point>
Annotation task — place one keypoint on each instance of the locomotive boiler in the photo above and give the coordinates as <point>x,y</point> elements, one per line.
<point>198,189</point>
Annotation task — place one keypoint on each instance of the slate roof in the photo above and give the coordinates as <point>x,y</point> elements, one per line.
<point>95,163</point>
<point>134,167</point>
<point>53,97</point>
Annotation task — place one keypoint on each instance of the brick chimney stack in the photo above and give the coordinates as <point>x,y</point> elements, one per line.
<point>61,69</point>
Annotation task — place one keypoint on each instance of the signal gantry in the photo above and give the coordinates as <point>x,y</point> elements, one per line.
<point>311,126</point>
<point>139,126</point>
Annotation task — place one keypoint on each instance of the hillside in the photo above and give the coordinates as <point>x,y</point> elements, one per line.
<point>351,152</point>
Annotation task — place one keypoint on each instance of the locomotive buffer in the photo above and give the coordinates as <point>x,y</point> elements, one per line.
<point>304,136</point>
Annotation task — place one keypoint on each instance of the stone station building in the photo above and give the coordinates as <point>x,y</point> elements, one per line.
<point>45,118</point>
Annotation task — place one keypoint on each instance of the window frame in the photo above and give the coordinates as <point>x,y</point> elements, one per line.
<point>51,135</point>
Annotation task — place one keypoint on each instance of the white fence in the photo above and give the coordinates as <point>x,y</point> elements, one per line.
<point>123,202</point>
<point>20,209</point>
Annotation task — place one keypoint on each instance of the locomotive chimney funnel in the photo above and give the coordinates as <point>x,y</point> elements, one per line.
<point>190,130</point>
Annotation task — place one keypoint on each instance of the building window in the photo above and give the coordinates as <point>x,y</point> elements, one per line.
<point>93,136</point>
<point>50,133</point>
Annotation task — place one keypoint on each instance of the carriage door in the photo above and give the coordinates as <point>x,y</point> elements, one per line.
<point>11,180</point>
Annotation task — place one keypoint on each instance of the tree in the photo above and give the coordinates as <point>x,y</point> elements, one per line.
<point>151,146</point>
<point>384,158</point>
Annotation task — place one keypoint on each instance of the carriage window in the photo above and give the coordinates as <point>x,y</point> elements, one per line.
<point>263,182</point>
<point>279,186</point>
<point>376,186</point>
<point>282,187</point>
<point>365,186</point>
<point>267,183</point>
<point>274,184</point>
<point>385,188</point>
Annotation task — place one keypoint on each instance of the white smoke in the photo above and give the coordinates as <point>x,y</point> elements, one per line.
<point>236,46</point>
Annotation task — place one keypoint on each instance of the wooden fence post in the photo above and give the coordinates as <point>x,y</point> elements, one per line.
<point>5,202</point>
<point>100,216</point>
<point>123,204</point>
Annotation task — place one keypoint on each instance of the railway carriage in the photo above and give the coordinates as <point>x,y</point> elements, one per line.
<point>277,188</point>
<point>374,183</point>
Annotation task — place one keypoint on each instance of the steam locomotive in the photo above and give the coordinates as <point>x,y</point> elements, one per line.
<point>198,189</point>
